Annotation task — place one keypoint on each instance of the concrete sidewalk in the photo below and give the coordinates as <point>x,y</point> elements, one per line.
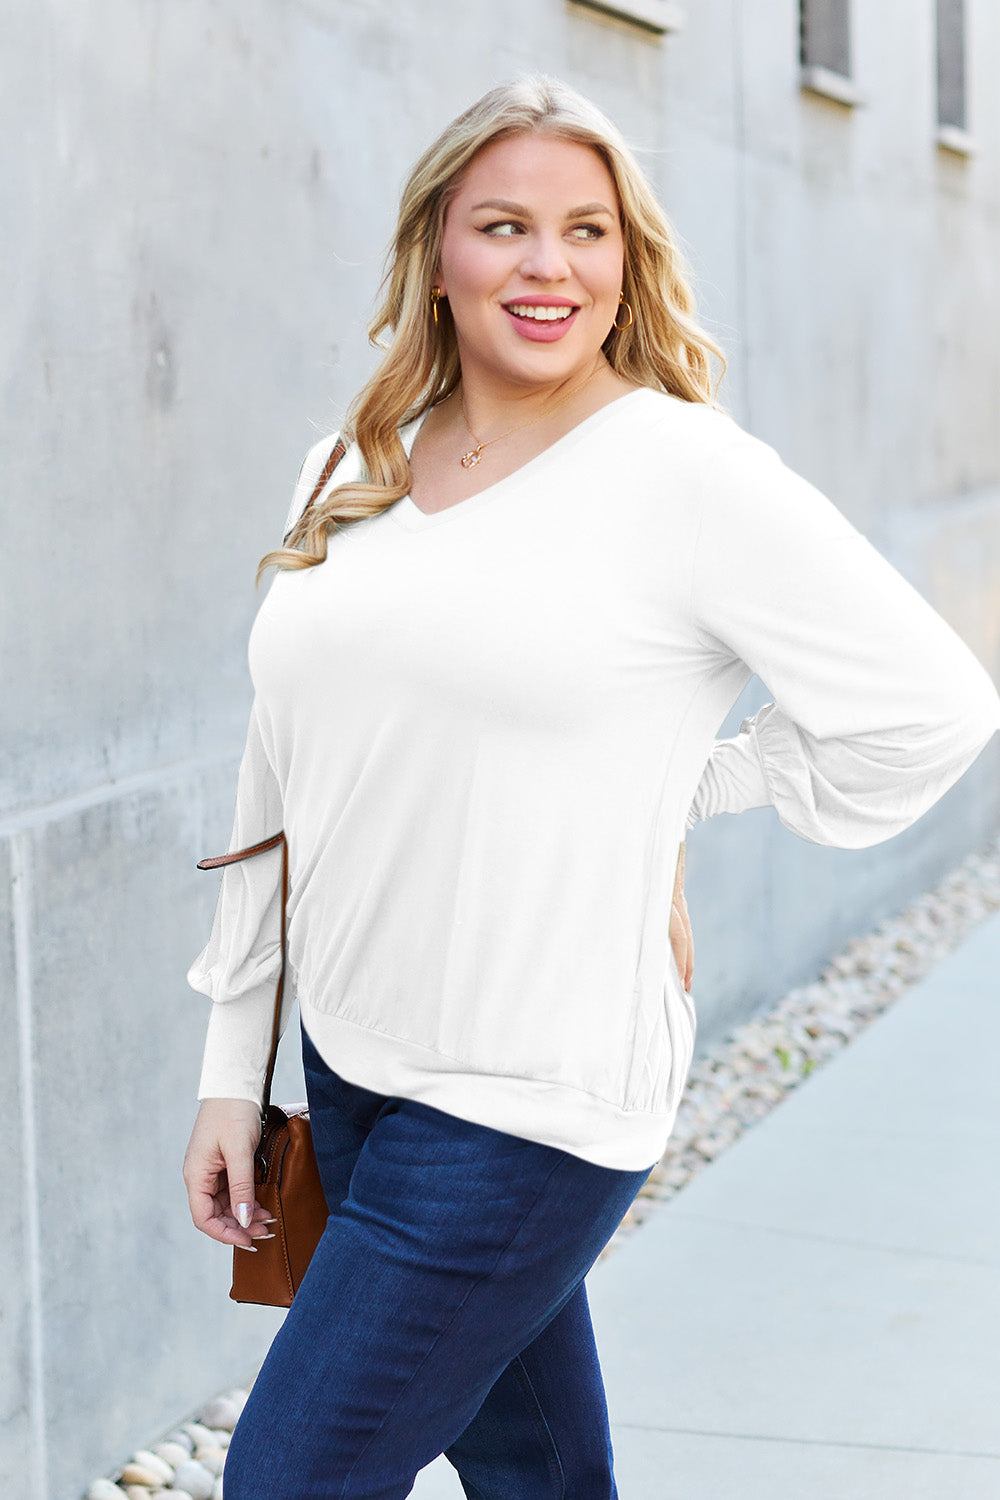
<point>818,1313</point>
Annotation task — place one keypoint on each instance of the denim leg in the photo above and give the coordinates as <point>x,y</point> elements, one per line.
<point>449,1250</point>
<point>542,1431</point>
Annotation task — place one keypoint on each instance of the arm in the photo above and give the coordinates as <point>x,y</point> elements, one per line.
<point>238,968</point>
<point>879,704</point>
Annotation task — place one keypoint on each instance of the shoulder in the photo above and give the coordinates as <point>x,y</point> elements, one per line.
<point>719,452</point>
<point>704,430</point>
<point>735,480</point>
<point>691,441</point>
<point>309,472</point>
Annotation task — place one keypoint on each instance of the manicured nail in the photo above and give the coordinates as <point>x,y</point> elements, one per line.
<point>238,1246</point>
<point>244,1213</point>
<point>269,1221</point>
<point>263,1236</point>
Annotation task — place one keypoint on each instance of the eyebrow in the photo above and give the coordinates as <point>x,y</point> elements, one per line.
<point>505,206</point>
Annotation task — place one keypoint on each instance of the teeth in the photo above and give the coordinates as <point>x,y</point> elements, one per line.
<point>540,314</point>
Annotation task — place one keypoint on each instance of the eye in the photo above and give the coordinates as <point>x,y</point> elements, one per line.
<point>502,229</point>
<point>588,231</point>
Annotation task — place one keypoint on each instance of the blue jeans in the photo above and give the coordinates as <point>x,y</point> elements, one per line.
<point>444,1311</point>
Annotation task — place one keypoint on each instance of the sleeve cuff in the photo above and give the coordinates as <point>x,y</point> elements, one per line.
<point>733,779</point>
<point>237,1047</point>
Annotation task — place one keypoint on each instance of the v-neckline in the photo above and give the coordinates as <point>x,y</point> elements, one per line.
<point>409,515</point>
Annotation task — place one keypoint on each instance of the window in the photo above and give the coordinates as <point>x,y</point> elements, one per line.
<point>825,49</point>
<point>951,105</point>
<point>825,35</point>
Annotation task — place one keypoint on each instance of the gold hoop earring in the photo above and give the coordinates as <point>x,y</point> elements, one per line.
<point>435,299</point>
<point>623,304</point>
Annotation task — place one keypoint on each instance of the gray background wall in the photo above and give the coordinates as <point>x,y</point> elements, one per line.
<point>193,217</point>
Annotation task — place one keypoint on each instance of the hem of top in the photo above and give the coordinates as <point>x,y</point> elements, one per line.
<point>536,1109</point>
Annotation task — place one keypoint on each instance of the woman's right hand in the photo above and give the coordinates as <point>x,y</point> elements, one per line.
<point>218,1172</point>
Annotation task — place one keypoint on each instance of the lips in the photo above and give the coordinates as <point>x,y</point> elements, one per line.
<point>542,320</point>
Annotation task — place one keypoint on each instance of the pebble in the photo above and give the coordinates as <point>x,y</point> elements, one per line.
<point>213,1459</point>
<point>104,1489</point>
<point>195,1478</point>
<point>221,1412</point>
<point>201,1436</point>
<point>172,1453</point>
<point>155,1464</point>
<point>217,1489</point>
<point>140,1474</point>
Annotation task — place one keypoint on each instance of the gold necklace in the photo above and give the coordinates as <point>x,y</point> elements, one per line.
<point>470,459</point>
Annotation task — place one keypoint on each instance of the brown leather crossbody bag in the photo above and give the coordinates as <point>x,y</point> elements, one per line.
<point>286,1177</point>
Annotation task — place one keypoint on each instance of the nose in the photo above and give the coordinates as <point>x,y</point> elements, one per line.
<point>545,258</point>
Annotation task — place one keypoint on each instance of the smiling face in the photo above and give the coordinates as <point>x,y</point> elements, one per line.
<point>531,262</point>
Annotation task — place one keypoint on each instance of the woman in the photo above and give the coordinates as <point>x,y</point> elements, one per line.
<point>487,679</point>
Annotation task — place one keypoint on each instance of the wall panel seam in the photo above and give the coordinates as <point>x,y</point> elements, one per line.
<point>21,904</point>
<point>40,814</point>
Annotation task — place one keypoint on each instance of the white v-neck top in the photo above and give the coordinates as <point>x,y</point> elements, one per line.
<point>486,730</point>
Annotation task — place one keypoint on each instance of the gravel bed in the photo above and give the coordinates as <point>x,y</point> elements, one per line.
<point>186,1465</point>
<point>728,1090</point>
<point>742,1079</point>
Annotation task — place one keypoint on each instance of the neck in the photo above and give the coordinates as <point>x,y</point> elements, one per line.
<point>489,408</point>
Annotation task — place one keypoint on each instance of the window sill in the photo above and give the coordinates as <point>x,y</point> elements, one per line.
<point>657,16</point>
<point>830,85</point>
<point>953,138</point>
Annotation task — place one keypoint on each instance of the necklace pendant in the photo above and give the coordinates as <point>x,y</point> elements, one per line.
<point>470,459</point>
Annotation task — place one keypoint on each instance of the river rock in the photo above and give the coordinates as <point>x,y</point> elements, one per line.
<point>220,1413</point>
<point>104,1489</point>
<point>139,1474</point>
<point>155,1464</point>
<point>195,1478</point>
<point>213,1458</point>
<point>199,1434</point>
<point>172,1453</point>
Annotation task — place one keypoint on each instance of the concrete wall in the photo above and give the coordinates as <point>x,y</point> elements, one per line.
<point>194,218</point>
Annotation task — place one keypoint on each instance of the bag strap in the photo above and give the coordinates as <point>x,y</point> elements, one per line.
<point>218,860</point>
<point>336,454</point>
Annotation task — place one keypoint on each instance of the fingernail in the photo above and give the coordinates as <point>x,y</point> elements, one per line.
<point>244,1213</point>
<point>269,1221</point>
<point>238,1246</point>
<point>263,1236</point>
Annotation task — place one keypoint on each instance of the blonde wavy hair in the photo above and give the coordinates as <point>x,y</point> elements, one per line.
<point>663,347</point>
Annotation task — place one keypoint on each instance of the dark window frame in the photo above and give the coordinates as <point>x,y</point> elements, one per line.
<point>952,69</point>
<point>825,36</point>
